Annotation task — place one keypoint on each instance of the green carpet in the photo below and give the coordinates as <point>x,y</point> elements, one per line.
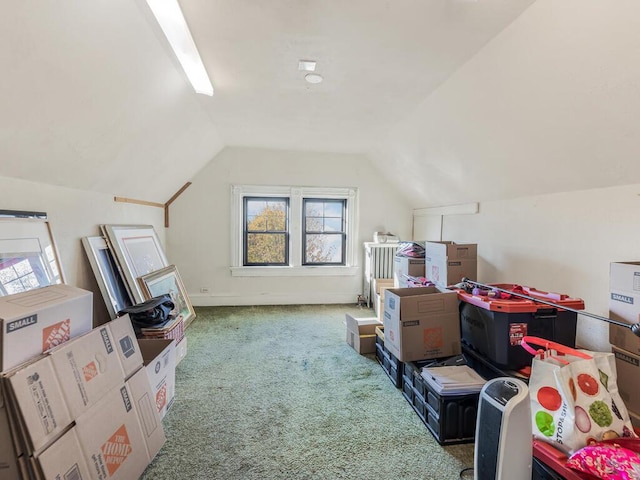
<point>274,392</point>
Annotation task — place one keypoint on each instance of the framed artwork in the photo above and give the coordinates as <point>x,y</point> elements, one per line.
<point>28,255</point>
<point>168,281</point>
<point>112,286</point>
<point>138,251</point>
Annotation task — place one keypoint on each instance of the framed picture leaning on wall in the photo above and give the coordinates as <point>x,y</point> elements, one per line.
<point>167,280</point>
<point>112,286</point>
<point>138,251</point>
<point>28,255</point>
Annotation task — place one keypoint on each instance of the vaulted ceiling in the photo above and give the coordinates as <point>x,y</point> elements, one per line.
<point>93,98</point>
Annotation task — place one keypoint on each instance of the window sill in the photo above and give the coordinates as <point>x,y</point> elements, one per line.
<point>293,271</point>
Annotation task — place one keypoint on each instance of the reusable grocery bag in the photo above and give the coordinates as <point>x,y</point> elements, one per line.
<point>574,396</point>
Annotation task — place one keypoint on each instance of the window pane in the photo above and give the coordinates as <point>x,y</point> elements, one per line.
<point>313,208</point>
<point>333,225</point>
<point>266,248</point>
<point>323,249</point>
<point>314,224</point>
<point>276,220</point>
<point>257,224</point>
<point>333,209</point>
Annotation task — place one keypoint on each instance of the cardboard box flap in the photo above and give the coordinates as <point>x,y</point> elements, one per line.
<point>39,403</point>
<point>451,250</point>
<point>87,368</point>
<point>145,405</point>
<point>64,459</point>
<point>126,344</point>
<point>362,326</point>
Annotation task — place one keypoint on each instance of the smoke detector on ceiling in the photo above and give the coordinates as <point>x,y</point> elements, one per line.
<point>313,78</point>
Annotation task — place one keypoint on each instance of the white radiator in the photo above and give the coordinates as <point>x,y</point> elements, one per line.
<point>382,258</point>
<point>378,263</point>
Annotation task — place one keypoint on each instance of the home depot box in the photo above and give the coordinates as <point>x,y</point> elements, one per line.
<point>46,394</point>
<point>628,370</point>
<point>421,323</point>
<point>403,266</point>
<point>122,433</point>
<point>89,366</point>
<point>38,320</point>
<point>447,263</point>
<point>159,357</point>
<point>624,304</point>
<point>62,460</point>
<point>361,333</point>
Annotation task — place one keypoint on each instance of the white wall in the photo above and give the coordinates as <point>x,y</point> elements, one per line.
<point>198,239</point>
<point>561,243</point>
<point>74,214</point>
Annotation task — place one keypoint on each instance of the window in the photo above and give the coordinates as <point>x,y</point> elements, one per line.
<point>266,231</point>
<point>324,233</point>
<point>293,231</point>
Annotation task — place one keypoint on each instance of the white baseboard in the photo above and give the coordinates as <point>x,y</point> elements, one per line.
<point>201,300</point>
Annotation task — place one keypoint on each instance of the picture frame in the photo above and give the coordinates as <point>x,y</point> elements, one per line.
<point>138,251</point>
<point>108,276</point>
<point>29,258</point>
<point>167,280</point>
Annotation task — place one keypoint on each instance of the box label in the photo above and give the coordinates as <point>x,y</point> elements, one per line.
<point>55,334</point>
<point>125,398</point>
<point>116,449</point>
<point>22,323</point>
<point>432,338</point>
<point>41,400</point>
<point>626,358</point>
<point>411,323</point>
<point>161,397</point>
<point>106,340</point>
<point>618,297</point>
<point>516,332</point>
<point>636,280</point>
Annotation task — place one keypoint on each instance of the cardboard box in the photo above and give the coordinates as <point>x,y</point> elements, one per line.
<point>121,434</point>
<point>38,320</point>
<point>403,266</point>
<point>379,286</point>
<point>624,304</point>
<point>48,393</point>
<point>628,370</point>
<point>159,357</point>
<point>447,263</point>
<point>62,460</point>
<point>421,323</point>
<point>361,333</point>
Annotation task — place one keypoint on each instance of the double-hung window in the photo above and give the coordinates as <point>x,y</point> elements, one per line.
<point>286,231</point>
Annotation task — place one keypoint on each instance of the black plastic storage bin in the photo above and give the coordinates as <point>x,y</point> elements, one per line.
<point>390,364</point>
<point>494,327</point>
<point>451,418</point>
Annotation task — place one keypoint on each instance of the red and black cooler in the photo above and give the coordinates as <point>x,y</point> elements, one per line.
<point>494,327</point>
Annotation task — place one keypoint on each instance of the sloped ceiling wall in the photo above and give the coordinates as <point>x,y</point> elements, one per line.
<point>81,112</point>
<point>549,105</point>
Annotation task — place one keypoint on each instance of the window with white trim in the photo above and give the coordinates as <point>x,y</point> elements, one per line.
<point>281,230</point>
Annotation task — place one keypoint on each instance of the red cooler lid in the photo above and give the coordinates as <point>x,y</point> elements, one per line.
<point>517,304</point>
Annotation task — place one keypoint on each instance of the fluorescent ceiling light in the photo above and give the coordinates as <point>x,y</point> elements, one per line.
<point>307,65</point>
<point>169,16</point>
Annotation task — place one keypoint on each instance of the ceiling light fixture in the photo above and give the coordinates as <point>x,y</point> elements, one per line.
<point>172,22</point>
<point>313,78</point>
<point>307,65</point>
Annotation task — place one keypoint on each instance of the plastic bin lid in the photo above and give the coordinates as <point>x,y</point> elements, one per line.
<point>520,305</point>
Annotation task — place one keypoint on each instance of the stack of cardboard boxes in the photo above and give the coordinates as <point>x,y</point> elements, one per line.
<point>624,306</point>
<point>447,263</point>
<point>82,409</point>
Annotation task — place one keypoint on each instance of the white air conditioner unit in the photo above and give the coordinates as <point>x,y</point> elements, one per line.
<point>504,442</point>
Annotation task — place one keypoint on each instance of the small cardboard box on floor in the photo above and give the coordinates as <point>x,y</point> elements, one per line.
<point>361,333</point>
<point>403,266</point>
<point>447,263</point>
<point>624,304</point>
<point>38,320</point>
<point>421,323</point>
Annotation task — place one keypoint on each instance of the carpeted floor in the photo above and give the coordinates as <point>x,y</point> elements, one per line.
<point>274,392</point>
